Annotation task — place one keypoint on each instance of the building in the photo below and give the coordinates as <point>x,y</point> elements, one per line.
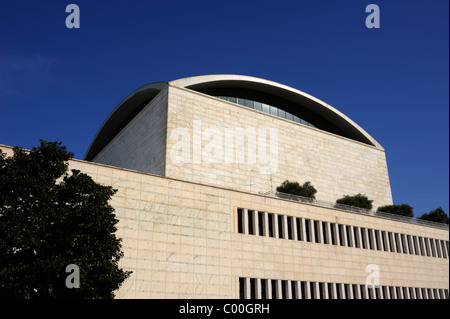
<point>196,162</point>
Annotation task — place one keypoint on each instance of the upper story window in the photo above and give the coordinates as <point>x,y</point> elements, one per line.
<point>269,109</point>
<point>274,105</point>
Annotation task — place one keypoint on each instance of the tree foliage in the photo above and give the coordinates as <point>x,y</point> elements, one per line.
<point>358,200</point>
<point>403,210</point>
<point>294,188</point>
<point>49,219</point>
<point>437,215</point>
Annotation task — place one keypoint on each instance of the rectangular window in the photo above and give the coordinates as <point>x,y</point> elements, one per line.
<point>316,231</point>
<point>333,234</point>
<point>283,289</point>
<point>427,247</point>
<point>444,248</point>
<point>249,103</point>
<point>378,292</point>
<point>300,234</point>
<point>377,237</point>
<point>347,288</point>
<point>312,287</point>
<point>391,241</point>
<point>420,294</point>
<point>386,292</point>
<point>281,113</point>
<point>385,243</point>
<point>289,116</point>
<point>355,292</point>
<point>250,222</point>
<point>393,292</point>
<point>257,105</point>
<point>260,223</point>
<point>414,245</point>
<point>410,241</point>
<point>411,292</point>
<point>429,292</point>
<point>369,239</point>
<point>293,290</point>
<point>408,244</point>
<point>366,238</point>
<point>239,217</point>
<point>232,99</point>
<point>241,288</point>
<point>321,293</point>
<point>400,294</point>
<point>274,289</point>
<point>273,110</point>
<point>396,243</point>
<point>263,289</point>
<point>308,233</point>
<point>338,291</point>
<point>324,233</point>
<point>265,108</point>
<point>363,238</point>
<point>270,218</point>
<point>369,292</point>
<point>303,289</point>
<point>399,243</point>
<point>447,247</point>
<point>439,248</point>
<point>289,226</point>
<point>357,244</point>
<point>280,226</point>
<point>252,288</point>
<point>419,249</point>
<point>417,293</point>
<point>347,234</point>
<point>330,291</point>
<point>241,101</point>
<point>370,244</point>
<point>433,248</point>
<point>403,243</point>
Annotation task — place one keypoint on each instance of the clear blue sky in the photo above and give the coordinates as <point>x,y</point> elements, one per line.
<point>61,84</point>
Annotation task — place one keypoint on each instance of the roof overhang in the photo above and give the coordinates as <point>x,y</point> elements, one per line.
<point>350,128</point>
<point>122,115</point>
<point>135,101</point>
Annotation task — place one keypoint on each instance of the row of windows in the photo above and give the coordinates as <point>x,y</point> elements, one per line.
<point>296,228</point>
<point>255,288</point>
<point>269,109</point>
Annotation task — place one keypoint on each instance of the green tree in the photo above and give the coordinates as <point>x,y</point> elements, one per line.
<point>294,188</point>
<point>438,215</point>
<point>358,200</point>
<point>403,210</point>
<point>49,219</point>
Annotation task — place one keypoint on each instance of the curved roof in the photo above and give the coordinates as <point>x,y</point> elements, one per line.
<point>139,98</point>
<point>122,115</point>
<point>310,102</point>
